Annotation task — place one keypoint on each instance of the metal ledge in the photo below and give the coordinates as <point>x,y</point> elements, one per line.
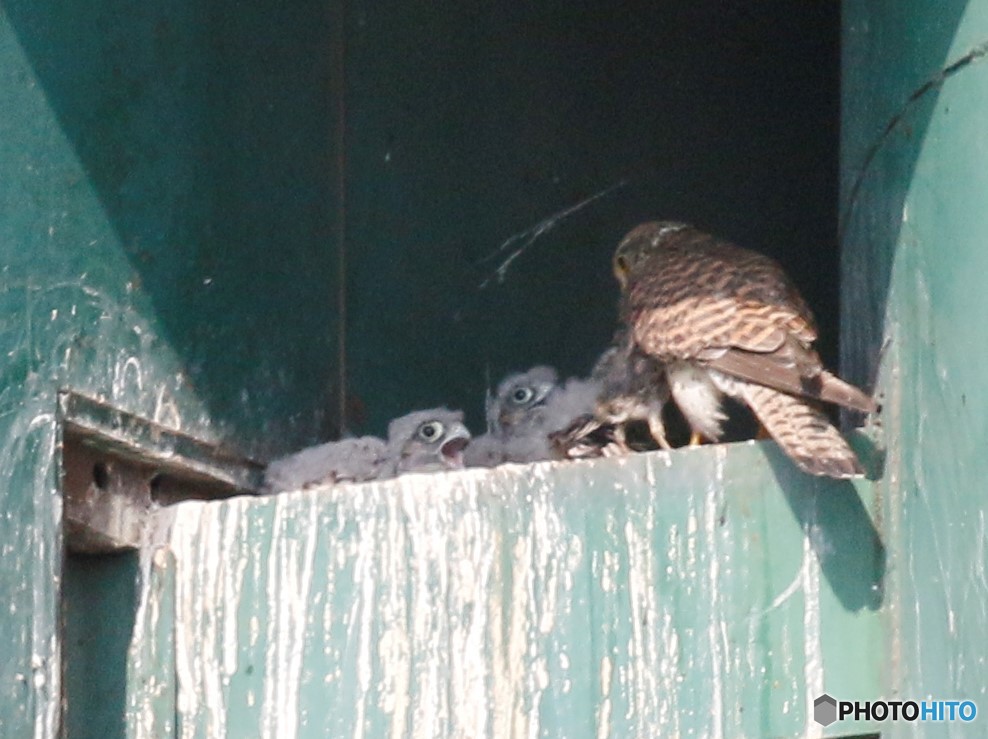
<point>117,467</point>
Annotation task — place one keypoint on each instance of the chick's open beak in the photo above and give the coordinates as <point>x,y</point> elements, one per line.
<point>457,438</point>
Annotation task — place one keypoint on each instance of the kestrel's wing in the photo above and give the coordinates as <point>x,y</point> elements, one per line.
<point>773,371</point>
<point>699,297</point>
<point>734,310</point>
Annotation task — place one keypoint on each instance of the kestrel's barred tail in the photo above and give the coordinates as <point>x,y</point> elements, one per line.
<point>804,432</point>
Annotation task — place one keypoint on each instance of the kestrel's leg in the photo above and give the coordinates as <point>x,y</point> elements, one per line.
<point>621,437</point>
<point>658,430</point>
<point>696,438</point>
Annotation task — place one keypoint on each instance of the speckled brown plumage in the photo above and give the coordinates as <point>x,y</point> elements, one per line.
<point>633,387</point>
<point>723,319</point>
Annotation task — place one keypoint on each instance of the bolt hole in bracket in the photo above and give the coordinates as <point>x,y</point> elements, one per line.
<point>118,468</point>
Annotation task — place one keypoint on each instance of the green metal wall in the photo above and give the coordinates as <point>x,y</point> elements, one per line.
<point>165,187</point>
<point>914,173</point>
<point>172,195</point>
<point>704,592</point>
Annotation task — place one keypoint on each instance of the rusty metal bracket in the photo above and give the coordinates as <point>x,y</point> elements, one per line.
<point>118,468</point>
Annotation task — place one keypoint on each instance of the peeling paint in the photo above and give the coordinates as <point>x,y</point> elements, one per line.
<point>526,600</point>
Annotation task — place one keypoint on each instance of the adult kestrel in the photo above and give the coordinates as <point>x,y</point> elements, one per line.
<point>720,320</point>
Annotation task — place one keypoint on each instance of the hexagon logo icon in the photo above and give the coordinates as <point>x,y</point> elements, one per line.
<point>825,710</point>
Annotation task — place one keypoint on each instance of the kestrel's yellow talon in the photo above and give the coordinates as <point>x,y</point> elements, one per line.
<point>696,439</point>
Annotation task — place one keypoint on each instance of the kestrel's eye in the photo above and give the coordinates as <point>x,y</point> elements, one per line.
<point>522,395</point>
<point>431,431</point>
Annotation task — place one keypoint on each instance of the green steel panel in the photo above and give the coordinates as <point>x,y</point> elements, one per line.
<point>164,246</point>
<point>914,174</point>
<point>150,674</point>
<point>167,181</point>
<point>709,592</point>
<point>100,595</point>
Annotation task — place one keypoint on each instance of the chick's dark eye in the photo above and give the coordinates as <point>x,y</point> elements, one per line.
<point>621,263</point>
<point>431,430</point>
<point>522,395</point>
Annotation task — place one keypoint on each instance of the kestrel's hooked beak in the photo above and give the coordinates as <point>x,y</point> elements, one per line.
<point>457,438</point>
<point>621,270</point>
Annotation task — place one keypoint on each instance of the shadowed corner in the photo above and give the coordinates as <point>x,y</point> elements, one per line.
<point>871,453</point>
<point>846,543</point>
<point>99,599</point>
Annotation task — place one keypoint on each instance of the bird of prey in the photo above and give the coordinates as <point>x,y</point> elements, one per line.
<point>631,388</point>
<point>720,319</point>
<point>520,403</point>
<point>425,441</point>
<point>525,410</point>
<point>589,437</point>
<point>347,460</point>
<point>422,441</point>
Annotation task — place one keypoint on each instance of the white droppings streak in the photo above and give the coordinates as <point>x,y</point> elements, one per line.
<point>254,630</point>
<point>812,646</point>
<point>188,663</point>
<point>604,712</point>
<point>166,409</point>
<point>126,372</point>
<point>361,618</point>
<point>394,646</point>
<point>474,543</point>
<point>716,637</point>
<point>147,620</point>
<point>233,557</point>
<point>446,605</point>
<point>288,583</point>
<point>643,650</point>
<point>518,724</point>
<point>210,578</point>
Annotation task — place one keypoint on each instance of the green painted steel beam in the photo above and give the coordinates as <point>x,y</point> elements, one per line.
<point>150,679</point>
<point>166,248</point>
<point>708,592</point>
<point>914,174</point>
<point>168,184</point>
<point>100,598</point>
